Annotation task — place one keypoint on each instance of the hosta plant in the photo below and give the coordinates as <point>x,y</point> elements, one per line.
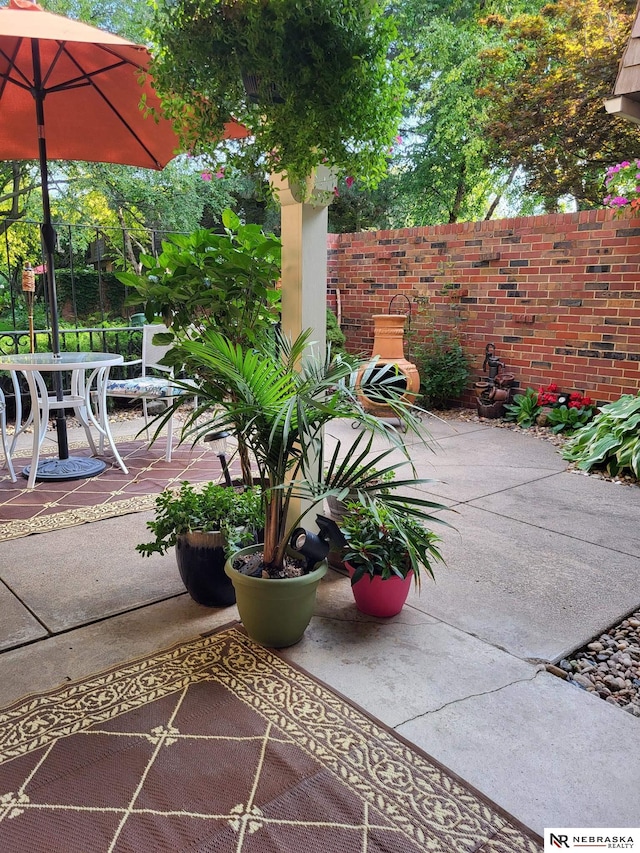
<point>525,408</point>
<point>611,441</point>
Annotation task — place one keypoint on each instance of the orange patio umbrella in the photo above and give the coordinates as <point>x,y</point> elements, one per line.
<point>69,91</point>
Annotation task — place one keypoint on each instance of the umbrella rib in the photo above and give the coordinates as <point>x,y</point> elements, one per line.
<point>75,83</point>
<point>85,76</point>
<point>91,82</point>
<point>6,78</point>
<point>84,79</point>
<point>61,45</point>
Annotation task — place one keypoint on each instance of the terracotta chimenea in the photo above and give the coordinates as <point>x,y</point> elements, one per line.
<point>388,348</point>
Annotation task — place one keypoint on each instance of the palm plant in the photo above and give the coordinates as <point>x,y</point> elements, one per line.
<point>276,401</point>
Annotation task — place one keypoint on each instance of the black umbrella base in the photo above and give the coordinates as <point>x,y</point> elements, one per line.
<point>73,468</point>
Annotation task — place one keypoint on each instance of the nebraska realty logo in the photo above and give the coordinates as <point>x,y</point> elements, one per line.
<point>591,839</point>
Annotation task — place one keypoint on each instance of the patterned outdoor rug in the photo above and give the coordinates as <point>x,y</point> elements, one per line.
<point>218,744</point>
<point>65,503</point>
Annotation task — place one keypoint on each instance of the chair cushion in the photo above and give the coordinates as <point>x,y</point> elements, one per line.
<point>143,386</point>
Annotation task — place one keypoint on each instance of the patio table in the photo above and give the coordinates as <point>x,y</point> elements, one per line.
<point>89,375</point>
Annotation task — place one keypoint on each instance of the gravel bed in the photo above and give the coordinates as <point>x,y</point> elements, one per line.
<point>541,432</point>
<point>610,666</point>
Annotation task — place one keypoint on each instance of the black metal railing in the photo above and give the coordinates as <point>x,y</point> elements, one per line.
<point>80,249</point>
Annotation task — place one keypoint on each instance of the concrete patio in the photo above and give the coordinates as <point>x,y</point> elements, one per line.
<point>540,561</point>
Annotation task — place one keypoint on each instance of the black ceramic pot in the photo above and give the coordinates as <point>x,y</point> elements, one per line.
<point>201,560</point>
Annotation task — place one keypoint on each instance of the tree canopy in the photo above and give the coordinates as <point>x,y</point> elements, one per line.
<point>504,116</point>
<point>506,112</point>
<point>546,82</point>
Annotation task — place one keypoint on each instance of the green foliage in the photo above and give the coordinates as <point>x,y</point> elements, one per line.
<point>22,320</point>
<point>171,200</point>
<point>546,78</point>
<point>611,441</point>
<point>525,408</point>
<point>237,514</point>
<point>127,19</point>
<point>357,208</point>
<point>383,540</point>
<point>18,178</point>
<point>568,419</point>
<point>443,172</point>
<point>329,88</point>
<point>206,279</point>
<point>85,286</point>
<point>443,366</point>
<point>335,335</point>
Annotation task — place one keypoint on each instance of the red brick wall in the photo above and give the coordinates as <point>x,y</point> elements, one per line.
<point>559,295</point>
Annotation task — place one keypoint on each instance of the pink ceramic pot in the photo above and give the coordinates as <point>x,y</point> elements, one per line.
<point>377,597</point>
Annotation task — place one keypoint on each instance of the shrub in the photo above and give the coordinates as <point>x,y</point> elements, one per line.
<point>83,287</point>
<point>236,514</point>
<point>612,439</point>
<point>443,366</point>
<point>335,335</point>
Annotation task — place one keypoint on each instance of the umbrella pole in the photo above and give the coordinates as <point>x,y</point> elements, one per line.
<point>64,467</point>
<point>49,241</point>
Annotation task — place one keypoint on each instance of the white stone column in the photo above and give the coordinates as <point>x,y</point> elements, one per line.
<point>303,233</point>
<point>304,255</point>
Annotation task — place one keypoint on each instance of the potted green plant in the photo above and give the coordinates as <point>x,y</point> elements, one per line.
<point>278,397</point>
<point>315,83</point>
<point>367,475</point>
<point>385,548</point>
<point>204,524</point>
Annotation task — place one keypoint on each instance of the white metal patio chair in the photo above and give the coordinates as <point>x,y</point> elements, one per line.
<point>148,385</point>
<point>3,437</point>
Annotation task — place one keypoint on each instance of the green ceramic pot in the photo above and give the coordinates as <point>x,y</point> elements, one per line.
<point>275,612</point>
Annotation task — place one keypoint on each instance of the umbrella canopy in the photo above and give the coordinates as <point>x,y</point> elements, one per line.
<point>69,91</point>
<point>92,83</point>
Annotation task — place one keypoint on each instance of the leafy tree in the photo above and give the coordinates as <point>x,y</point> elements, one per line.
<point>128,19</point>
<point>17,182</point>
<point>445,171</point>
<point>129,203</point>
<point>357,208</point>
<point>545,85</point>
